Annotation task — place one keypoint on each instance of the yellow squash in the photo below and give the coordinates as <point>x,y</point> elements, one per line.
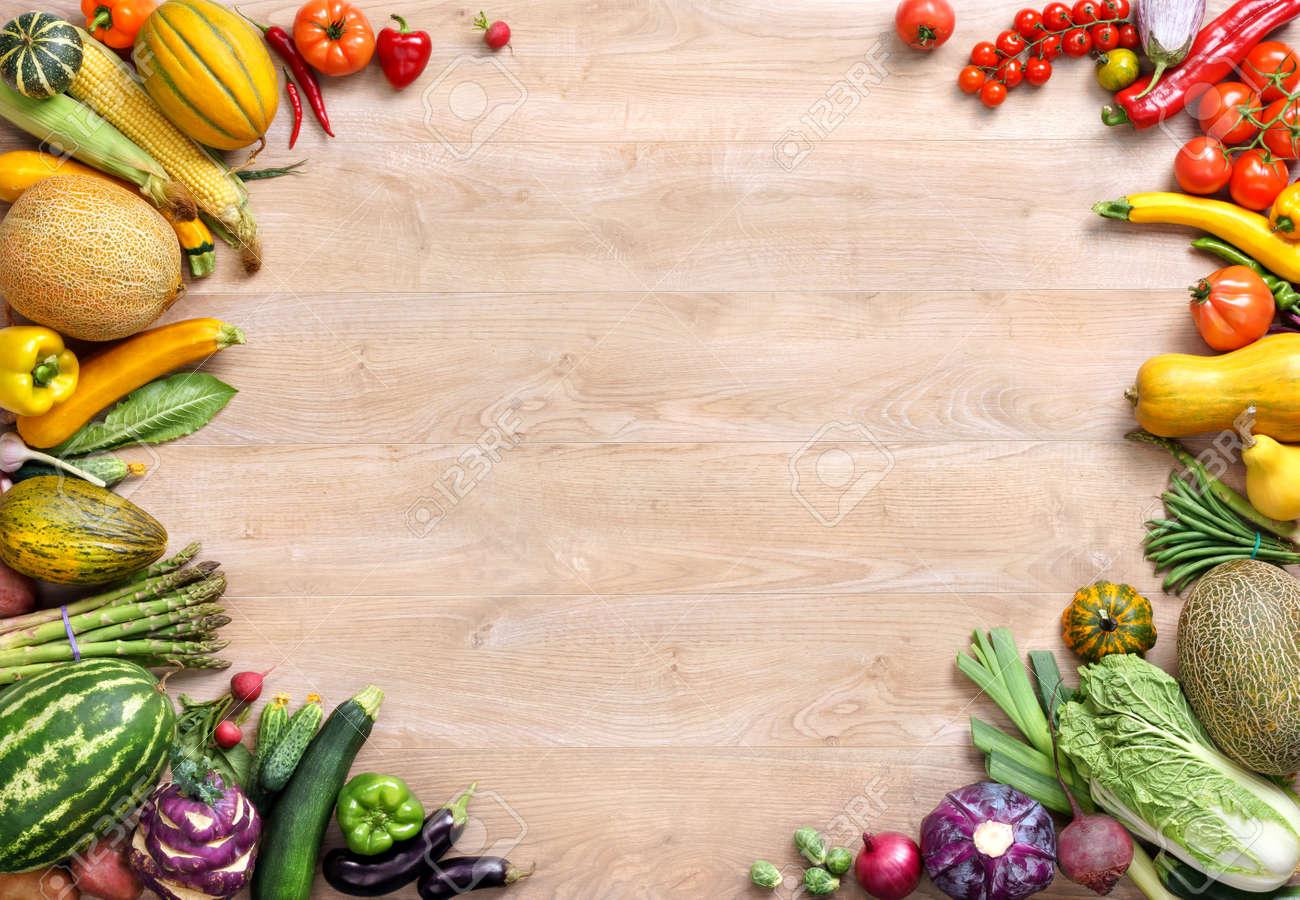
<point>1248,231</point>
<point>1178,394</point>
<point>209,72</point>
<point>1272,471</point>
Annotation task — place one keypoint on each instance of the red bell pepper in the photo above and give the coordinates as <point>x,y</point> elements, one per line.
<point>403,53</point>
<point>1218,50</point>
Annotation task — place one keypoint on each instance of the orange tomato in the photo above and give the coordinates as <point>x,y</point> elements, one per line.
<point>333,36</point>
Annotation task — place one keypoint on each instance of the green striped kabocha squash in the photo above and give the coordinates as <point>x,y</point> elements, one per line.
<point>68,531</point>
<point>40,54</point>
<point>81,746</point>
<point>209,72</point>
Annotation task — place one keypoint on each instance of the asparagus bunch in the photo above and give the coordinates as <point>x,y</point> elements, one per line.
<point>164,616</point>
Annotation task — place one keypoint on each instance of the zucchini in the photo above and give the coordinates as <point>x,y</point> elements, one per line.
<point>293,832</point>
<point>290,746</point>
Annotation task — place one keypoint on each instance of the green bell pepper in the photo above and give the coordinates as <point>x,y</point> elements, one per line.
<point>375,811</point>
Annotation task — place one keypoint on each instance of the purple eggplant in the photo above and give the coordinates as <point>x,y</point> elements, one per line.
<point>373,876</point>
<point>453,877</point>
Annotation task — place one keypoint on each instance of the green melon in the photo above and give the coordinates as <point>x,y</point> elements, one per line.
<point>80,747</point>
<point>1239,662</point>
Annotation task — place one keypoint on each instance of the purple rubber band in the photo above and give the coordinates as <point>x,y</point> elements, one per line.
<point>72,638</point>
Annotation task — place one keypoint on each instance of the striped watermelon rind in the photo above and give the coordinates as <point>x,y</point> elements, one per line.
<point>81,746</point>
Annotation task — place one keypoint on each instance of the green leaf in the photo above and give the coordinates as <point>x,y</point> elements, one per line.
<point>162,410</point>
<point>232,765</point>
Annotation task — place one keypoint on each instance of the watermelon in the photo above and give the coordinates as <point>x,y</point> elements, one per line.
<point>81,746</point>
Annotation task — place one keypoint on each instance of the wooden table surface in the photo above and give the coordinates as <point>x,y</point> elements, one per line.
<point>654,411</point>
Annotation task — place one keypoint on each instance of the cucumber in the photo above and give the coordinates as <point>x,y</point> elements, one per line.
<point>293,832</point>
<point>291,745</point>
<point>111,469</point>
<point>270,726</point>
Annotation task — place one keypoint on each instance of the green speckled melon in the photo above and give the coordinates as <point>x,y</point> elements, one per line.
<point>1239,662</point>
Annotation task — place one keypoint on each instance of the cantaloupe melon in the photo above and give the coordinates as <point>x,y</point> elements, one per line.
<point>1239,662</point>
<point>87,258</point>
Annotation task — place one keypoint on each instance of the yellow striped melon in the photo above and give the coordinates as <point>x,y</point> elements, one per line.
<point>208,70</point>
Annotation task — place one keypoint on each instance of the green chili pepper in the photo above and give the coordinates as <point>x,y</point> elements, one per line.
<point>838,860</point>
<point>819,881</point>
<point>810,845</point>
<point>764,874</point>
<point>375,811</point>
<point>1284,293</point>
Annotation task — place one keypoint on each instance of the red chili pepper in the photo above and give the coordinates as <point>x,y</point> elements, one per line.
<point>280,41</point>
<point>1218,50</point>
<point>296,103</point>
<point>403,53</point>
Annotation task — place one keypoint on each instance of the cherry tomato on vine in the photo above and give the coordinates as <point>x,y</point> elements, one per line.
<point>1010,43</point>
<point>1268,64</point>
<point>1104,37</point>
<point>1282,136</point>
<point>924,24</point>
<point>1028,23</point>
<point>1011,72</point>
<point>984,54</point>
<point>1114,9</point>
<point>993,93</point>
<point>1202,166</point>
<point>1037,71</point>
<point>1056,17</point>
<point>1084,12</point>
<point>971,79</point>
<point>1049,48</point>
<point>1224,111</point>
<point>1255,181</point>
<point>1076,42</point>
<point>1129,38</point>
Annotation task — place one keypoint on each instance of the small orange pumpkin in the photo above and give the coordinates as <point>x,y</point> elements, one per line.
<point>1107,618</point>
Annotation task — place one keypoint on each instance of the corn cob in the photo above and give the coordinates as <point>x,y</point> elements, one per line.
<point>106,85</point>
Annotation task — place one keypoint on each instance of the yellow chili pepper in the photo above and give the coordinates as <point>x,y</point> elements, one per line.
<point>1284,217</point>
<point>36,372</point>
<point>1248,231</point>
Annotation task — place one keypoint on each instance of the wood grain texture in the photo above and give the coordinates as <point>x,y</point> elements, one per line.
<point>658,476</point>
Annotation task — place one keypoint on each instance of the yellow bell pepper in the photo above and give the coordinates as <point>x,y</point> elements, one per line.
<point>36,371</point>
<point>1284,216</point>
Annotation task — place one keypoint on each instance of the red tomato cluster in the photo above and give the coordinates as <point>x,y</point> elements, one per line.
<point>1252,130</point>
<point>1026,50</point>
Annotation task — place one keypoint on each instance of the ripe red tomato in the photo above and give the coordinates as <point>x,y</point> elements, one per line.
<point>993,93</point>
<point>1028,23</point>
<point>1202,166</point>
<point>924,24</point>
<point>1282,136</point>
<point>1049,47</point>
<point>1114,9</point>
<point>1037,71</point>
<point>1255,181</point>
<point>1268,64</point>
<point>1232,307</point>
<point>984,54</point>
<point>1084,12</point>
<point>1129,38</point>
<point>1104,37</point>
<point>1076,42</point>
<point>1010,43</point>
<point>1011,72</point>
<point>971,79</point>
<point>1224,111</point>
<point>1056,17</point>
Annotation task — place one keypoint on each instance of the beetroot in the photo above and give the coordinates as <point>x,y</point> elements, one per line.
<point>1094,850</point>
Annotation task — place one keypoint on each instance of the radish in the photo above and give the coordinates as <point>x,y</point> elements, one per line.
<point>246,687</point>
<point>496,35</point>
<point>228,734</point>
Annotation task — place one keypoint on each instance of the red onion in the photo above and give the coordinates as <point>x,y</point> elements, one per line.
<point>889,865</point>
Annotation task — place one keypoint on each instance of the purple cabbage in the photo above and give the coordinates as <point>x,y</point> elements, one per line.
<point>186,846</point>
<point>989,841</point>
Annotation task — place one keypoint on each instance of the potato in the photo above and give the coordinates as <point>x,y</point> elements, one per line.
<point>17,593</point>
<point>102,871</point>
<point>49,884</point>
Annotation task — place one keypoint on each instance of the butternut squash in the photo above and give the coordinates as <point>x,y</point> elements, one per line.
<point>1178,394</point>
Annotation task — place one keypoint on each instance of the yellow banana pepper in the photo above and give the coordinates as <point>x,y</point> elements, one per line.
<point>36,371</point>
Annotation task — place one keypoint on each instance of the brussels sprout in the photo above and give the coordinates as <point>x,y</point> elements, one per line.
<point>838,860</point>
<point>764,874</point>
<point>810,845</point>
<point>819,881</point>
